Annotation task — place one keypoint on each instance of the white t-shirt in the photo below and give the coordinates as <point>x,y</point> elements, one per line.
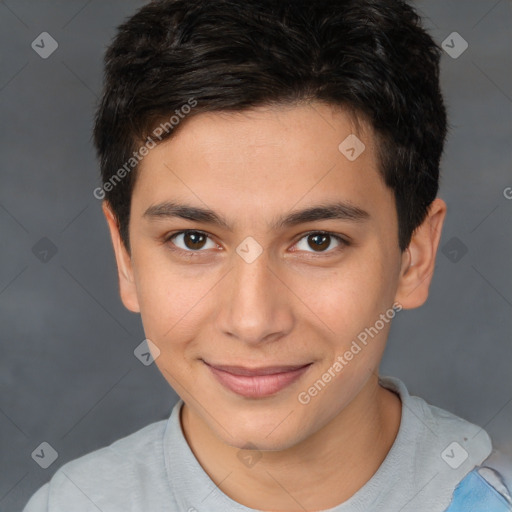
<point>154,469</point>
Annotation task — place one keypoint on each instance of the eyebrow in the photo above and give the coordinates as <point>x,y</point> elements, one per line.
<point>338,210</point>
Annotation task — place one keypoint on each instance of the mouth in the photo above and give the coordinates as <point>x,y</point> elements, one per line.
<point>257,382</point>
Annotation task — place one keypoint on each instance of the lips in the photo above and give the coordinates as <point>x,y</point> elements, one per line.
<point>257,382</point>
<point>266,370</point>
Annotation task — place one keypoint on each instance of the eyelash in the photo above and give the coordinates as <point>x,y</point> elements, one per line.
<point>172,247</point>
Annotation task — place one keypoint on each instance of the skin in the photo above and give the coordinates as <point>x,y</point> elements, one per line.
<point>295,303</point>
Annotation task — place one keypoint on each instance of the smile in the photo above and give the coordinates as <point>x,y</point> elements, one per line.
<point>257,382</point>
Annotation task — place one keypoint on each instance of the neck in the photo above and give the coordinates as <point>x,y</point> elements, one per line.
<point>335,462</point>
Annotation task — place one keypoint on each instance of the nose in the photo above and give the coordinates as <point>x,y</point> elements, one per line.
<point>256,306</point>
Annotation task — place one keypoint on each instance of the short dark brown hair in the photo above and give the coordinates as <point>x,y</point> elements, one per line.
<point>371,57</point>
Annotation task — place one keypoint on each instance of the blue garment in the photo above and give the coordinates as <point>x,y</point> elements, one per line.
<point>476,494</point>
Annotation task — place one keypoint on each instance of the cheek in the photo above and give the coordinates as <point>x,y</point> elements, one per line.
<point>347,299</point>
<point>170,306</point>
<point>170,298</point>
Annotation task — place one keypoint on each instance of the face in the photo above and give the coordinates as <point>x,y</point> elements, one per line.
<point>254,292</point>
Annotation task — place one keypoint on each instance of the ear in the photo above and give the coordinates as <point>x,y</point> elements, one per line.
<point>127,288</point>
<point>418,260</point>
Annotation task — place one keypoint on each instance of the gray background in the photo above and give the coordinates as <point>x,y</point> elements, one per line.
<point>68,375</point>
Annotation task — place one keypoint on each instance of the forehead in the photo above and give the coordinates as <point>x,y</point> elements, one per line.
<point>293,131</point>
<point>263,159</point>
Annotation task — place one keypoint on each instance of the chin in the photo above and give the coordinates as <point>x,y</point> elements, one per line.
<point>265,433</point>
<point>259,442</point>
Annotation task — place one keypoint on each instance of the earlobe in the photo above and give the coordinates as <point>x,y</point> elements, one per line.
<point>127,287</point>
<point>418,260</point>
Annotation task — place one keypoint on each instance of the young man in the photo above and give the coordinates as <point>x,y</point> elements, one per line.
<point>269,179</point>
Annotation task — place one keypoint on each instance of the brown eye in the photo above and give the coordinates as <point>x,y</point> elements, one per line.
<point>189,241</point>
<point>320,242</point>
<point>194,240</point>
